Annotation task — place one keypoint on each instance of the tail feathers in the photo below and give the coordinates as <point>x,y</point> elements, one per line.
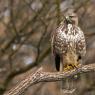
<point>57,62</point>
<point>62,85</point>
<point>67,87</point>
<point>65,84</point>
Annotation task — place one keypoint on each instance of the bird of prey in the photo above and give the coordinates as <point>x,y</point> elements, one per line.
<point>68,43</point>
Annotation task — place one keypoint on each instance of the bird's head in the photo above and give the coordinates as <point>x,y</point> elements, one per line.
<point>71,18</point>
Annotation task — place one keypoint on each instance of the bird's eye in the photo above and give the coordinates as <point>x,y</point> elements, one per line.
<point>71,16</point>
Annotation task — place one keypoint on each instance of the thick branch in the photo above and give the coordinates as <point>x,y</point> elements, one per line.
<point>40,76</point>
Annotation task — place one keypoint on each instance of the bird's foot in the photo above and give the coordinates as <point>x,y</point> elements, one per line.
<point>71,67</point>
<point>76,66</point>
<point>68,68</point>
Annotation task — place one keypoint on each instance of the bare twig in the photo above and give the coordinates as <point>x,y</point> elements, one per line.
<point>12,18</point>
<point>40,76</point>
<point>58,11</point>
<point>22,70</point>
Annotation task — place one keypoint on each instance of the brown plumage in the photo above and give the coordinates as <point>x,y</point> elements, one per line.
<point>68,44</point>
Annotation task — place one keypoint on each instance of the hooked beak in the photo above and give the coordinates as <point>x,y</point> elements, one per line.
<point>68,19</point>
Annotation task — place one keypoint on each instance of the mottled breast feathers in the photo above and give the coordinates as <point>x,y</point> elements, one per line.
<point>68,37</point>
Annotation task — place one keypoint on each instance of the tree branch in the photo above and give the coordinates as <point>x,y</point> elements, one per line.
<point>41,76</point>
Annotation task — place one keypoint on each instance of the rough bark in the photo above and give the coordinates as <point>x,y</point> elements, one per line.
<point>41,76</point>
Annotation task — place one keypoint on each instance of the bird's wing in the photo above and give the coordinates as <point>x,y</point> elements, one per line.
<point>81,44</point>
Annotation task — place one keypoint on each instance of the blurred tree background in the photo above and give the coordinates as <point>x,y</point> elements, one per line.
<point>25,29</point>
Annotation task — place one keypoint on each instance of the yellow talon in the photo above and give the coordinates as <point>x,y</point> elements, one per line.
<point>71,67</point>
